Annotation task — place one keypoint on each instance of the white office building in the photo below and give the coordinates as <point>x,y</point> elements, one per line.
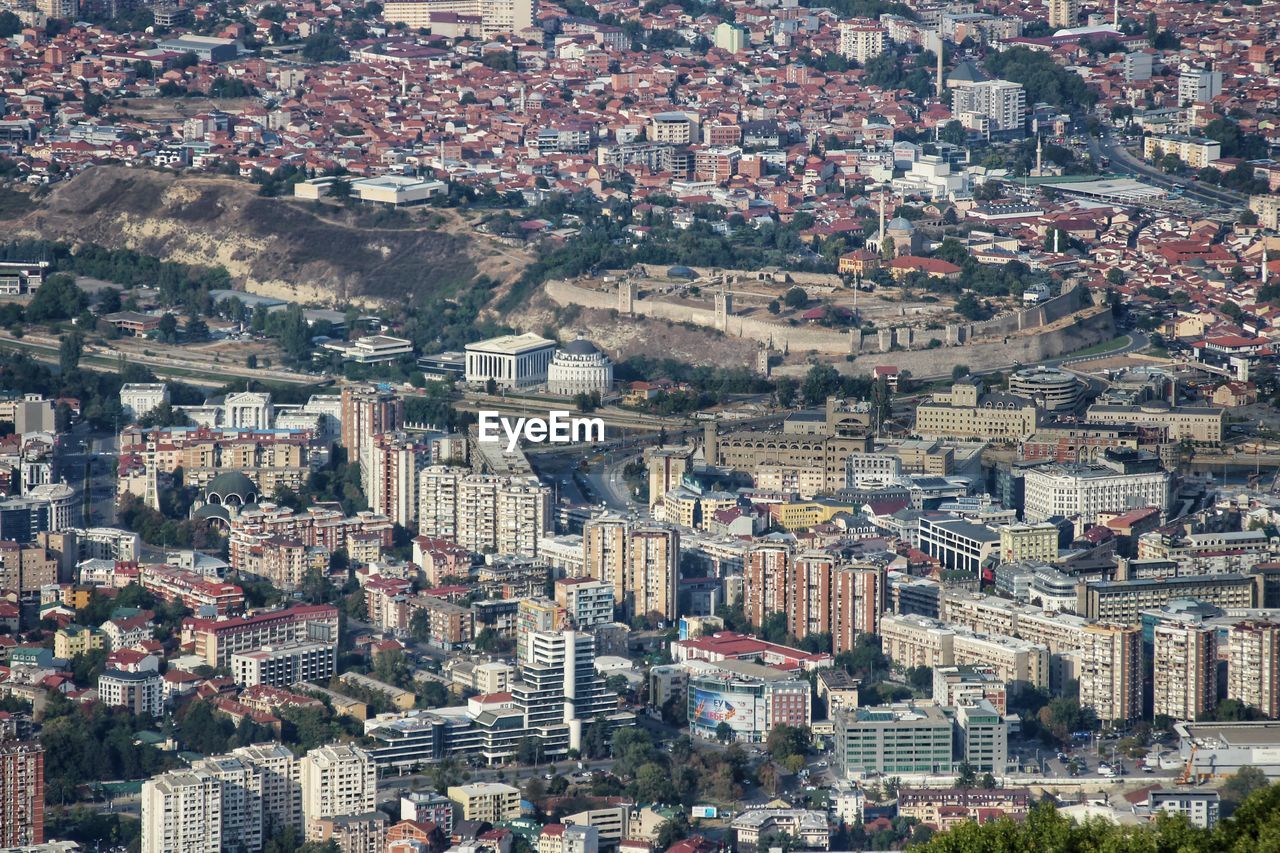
<point>139,692</point>
<point>396,190</point>
<point>280,666</point>
<point>138,399</point>
<point>1083,491</point>
<point>511,361</point>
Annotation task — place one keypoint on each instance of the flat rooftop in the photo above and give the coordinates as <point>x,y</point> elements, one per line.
<point>512,344</point>
<point>1264,734</point>
<point>1111,188</point>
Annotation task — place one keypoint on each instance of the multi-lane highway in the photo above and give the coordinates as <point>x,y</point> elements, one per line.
<point>1123,161</point>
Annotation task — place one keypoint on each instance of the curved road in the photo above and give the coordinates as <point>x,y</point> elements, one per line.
<point>1208,194</point>
<point>1138,340</point>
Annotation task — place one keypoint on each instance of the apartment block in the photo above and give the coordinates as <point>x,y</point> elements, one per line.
<point>182,810</point>
<point>337,780</point>
<point>483,513</point>
<point>217,640</point>
<point>315,527</point>
<point>389,466</point>
<point>449,624</point>
<point>1064,14</point>
<point>279,783</point>
<point>367,411</point>
<point>285,664</point>
<point>491,802</point>
<point>965,685</point>
<point>21,793</point>
<point>998,105</point>
<point>944,808</point>
<point>1110,672</point>
<point>585,601</point>
<point>1184,661</point>
<point>1196,151</point>
<point>1028,543</point>
<point>240,785</point>
<point>641,563</point>
<point>861,41</point>
<point>1253,666</point>
<point>911,641</point>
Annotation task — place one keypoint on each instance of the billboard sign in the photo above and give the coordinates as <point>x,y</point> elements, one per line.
<point>711,708</point>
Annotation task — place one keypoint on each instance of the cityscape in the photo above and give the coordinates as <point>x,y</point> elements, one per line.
<point>603,426</point>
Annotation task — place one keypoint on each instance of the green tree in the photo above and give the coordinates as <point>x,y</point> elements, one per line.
<point>530,750</point>
<point>168,328</point>
<point>920,677</point>
<point>653,784</point>
<point>392,667</point>
<point>1244,783</point>
<point>796,297</point>
<point>970,308</point>
<point>324,45</point>
<point>787,741</point>
<point>954,133</point>
<point>785,391</point>
<point>70,349</point>
<point>57,299</point>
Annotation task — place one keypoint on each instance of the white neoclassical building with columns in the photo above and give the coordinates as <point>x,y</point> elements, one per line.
<point>511,361</point>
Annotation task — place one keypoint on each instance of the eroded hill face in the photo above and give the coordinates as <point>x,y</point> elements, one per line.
<point>297,250</point>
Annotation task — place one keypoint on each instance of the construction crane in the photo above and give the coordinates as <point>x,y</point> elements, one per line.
<point>1188,770</point>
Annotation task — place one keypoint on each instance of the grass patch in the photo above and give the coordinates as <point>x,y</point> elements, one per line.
<point>1104,347</point>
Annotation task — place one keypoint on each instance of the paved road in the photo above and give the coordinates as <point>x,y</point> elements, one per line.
<point>1138,340</point>
<point>86,463</point>
<point>107,360</point>
<point>1123,161</point>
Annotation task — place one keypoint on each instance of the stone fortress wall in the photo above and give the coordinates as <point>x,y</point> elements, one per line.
<point>1062,324</point>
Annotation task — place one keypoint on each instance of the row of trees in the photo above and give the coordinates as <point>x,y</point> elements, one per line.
<point>179,284</point>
